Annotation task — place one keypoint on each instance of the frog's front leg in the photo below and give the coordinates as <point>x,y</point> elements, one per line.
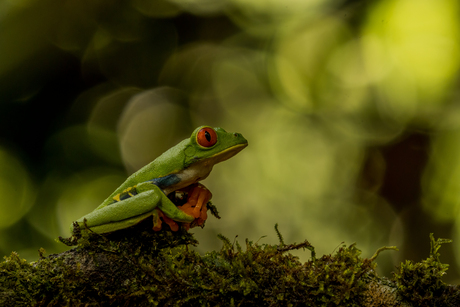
<point>198,197</point>
<point>195,206</point>
<point>132,210</point>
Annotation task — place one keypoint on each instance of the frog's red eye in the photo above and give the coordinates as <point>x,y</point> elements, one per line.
<point>206,137</point>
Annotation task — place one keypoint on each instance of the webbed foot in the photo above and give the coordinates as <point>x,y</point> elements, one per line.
<point>195,206</point>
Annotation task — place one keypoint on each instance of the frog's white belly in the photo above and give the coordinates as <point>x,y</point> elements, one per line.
<point>192,174</point>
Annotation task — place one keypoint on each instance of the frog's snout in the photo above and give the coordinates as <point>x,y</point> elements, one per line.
<point>240,138</point>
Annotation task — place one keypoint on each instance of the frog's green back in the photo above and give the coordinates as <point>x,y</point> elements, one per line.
<point>169,162</point>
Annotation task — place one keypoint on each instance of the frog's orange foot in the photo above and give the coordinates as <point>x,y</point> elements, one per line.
<point>198,197</point>
<point>196,204</point>
<point>157,223</point>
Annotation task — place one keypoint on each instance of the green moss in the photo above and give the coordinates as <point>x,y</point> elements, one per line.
<point>421,283</point>
<point>138,267</point>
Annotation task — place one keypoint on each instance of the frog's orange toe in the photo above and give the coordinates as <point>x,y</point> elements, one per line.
<point>157,224</point>
<point>173,225</point>
<point>203,199</point>
<point>187,208</point>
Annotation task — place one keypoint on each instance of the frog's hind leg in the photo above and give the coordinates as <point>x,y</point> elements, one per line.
<point>132,210</point>
<point>125,213</point>
<point>122,224</point>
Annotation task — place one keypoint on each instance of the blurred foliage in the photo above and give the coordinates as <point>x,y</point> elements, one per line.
<point>350,108</point>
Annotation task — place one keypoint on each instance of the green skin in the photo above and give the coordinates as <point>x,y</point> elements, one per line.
<point>181,166</point>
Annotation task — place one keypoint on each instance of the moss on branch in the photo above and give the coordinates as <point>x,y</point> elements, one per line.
<point>138,267</point>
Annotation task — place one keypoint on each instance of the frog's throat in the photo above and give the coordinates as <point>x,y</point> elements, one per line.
<point>227,153</point>
<point>201,169</point>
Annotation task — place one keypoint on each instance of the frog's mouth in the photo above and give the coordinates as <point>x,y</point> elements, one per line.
<point>226,154</point>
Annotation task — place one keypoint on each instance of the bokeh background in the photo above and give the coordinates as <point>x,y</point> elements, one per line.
<point>351,109</point>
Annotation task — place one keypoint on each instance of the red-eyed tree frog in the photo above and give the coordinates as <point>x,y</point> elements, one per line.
<point>145,193</point>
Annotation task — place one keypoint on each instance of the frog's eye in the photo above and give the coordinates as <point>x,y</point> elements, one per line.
<point>206,137</point>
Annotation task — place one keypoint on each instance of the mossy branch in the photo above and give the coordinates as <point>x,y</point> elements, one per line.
<point>138,267</point>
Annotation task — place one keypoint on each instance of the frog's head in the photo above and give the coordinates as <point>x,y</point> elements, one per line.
<point>213,145</point>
